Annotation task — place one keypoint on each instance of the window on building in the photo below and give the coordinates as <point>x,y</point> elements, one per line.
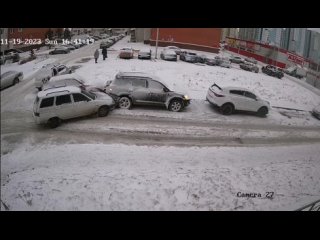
<point>19,29</point>
<point>1,31</point>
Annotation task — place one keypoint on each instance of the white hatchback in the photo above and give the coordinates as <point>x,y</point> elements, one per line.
<point>61,103</point>
<point>230,99</point>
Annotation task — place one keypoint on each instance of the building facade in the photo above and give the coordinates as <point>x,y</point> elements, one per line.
<point>202,39</point>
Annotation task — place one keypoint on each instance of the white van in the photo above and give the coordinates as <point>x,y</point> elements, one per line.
<point>61,103</point>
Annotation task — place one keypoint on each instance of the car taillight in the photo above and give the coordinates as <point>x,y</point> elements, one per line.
<point>218,95</point>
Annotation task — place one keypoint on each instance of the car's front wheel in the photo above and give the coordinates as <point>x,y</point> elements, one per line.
<point>103,111</point>
<point>262,112</point>
<point>54,122</point>
<point>227,109</point>
<point>175,105</point>
<point>125,102</point>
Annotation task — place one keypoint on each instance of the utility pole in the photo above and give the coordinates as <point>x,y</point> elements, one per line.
<point>157,43</point>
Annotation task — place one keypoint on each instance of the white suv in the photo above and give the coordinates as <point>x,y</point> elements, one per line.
<point>230,99</point>
<point>56,104</point>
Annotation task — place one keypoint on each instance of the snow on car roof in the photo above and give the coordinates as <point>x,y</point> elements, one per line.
<point>59,91</point>
<point>66,76</point>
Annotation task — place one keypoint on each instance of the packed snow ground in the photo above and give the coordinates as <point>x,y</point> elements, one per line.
<point>121,177</point>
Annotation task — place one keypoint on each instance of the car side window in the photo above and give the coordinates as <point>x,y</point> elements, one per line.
<point>250,95</point>
<point>64,99</point>
<point>47,102</point>
<point>77,97</point>
<point>121,82</point>
<point>139,83</point>
<point>155,85</point>
<point>236,92</point>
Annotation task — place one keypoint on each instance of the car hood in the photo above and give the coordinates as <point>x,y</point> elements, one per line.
<point>102,96</point>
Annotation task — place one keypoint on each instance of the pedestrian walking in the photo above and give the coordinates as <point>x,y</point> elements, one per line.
<point>96,55</point>
<point>104,53</point>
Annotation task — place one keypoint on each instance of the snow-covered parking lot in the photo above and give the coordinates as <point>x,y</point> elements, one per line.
<point>149,158</point>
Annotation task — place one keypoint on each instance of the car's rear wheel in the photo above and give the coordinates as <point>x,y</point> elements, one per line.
<point>175,105</point>
<point>125,102</point>
<point>15,81</point>
<point>54,122</point>
<point>262,112</point>
<point>103,111</point>
<point>227,109</point>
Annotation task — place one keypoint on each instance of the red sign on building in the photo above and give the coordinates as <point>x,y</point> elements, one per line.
<point>296,59</point>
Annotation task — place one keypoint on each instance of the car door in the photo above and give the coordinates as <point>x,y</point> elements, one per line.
<point>157,95</point>
<point>238,99</point>
<point>65,107</point>
<point>139,91</point>
<point>82,104</point>
<point>251,102</point>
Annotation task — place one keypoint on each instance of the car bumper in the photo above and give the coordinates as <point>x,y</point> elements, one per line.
<point>213,100</point>
<point>186,102</point>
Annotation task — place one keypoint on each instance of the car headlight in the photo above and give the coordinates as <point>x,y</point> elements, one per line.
<point>186,97</point>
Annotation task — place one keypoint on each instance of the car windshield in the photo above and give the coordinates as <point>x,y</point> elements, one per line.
<point>89,94</point>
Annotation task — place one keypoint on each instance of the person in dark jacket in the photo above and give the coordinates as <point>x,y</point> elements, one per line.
<point>104,53</point>
<point>96,55</point>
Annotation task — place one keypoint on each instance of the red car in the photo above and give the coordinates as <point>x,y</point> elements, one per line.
<point>126,53</point>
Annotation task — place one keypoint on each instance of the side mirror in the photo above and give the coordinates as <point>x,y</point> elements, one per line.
<point>165,89</point>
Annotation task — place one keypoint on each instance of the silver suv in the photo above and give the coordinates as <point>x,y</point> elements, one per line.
<point>56,104</point>
<point>138,88</point>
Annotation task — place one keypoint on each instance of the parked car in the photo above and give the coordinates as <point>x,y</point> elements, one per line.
<point>10,56</point>
<point>296,71</point>
<point>230,99</point>
<point>202,58</point>
<point>249,67</point>
<point>175,49</point>
<point>188,57</point>
<point>106,43</point>
<point>144,54</point>
<point>126,53</point>
<point>57,104</point>
<point>316,112</point>
<point>10,78</point>
<point>69,46</point>
<point>61,69</point>
<point>136,88</point>
<point>69,80</point>
<point>48,71</point>
<point>272,71</point>
<point>251,60</point>
<point>224,62</point>
<point>168,55</point>
<point>213,61</point>
<point>235,59</point>
<point>60,50</point>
